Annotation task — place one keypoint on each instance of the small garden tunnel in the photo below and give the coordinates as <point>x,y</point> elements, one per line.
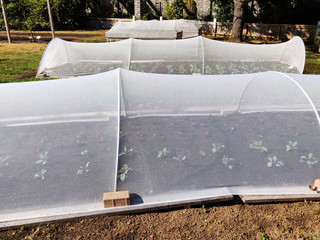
<point>166,138</point>
<point>192,56</point>
<point>154,29</point>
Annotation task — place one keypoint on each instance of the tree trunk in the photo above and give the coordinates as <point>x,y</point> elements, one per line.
<point>5,21</point>
<point>190,9</point>
<point>51,21</point>
<point>238,19</point>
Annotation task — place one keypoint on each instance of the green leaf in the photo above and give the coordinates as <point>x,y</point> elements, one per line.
<point>4,159</point>
<point>269,164</point>
<point>159,154</point>
<point>264,149</point>
<point>122,177</point>
<point>288,148</point>
<point>295,143</point>
<point>310,155</point>
<point>125,166</point>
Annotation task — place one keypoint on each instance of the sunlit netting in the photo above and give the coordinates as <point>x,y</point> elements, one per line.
<point>154,29</point>
<point>165,138</point>
<point>189,56</point>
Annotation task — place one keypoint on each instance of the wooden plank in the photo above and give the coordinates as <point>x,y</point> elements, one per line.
<point>279,198</point>
<point>116,199</point>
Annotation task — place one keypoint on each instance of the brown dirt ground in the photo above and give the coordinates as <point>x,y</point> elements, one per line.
<point>225,221</point>
<point>23,36</point>
<point>232,220</point>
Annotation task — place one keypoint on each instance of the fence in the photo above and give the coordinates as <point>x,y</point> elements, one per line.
<point>270,31</point>
<point>251,30</point>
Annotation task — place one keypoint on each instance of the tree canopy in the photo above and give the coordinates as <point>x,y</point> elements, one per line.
<point>67,14</point>
<point>73,14</point>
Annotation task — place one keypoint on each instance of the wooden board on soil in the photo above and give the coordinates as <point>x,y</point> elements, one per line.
<point>279,198</point>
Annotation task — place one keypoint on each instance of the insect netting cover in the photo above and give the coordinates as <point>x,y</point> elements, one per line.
<point>180,137</point>
<point>188,56</point>
<point>67,59</point>
<point>58,146</point>
<point>250,133</point>
<point>154,29</point>
<point>189,28</point>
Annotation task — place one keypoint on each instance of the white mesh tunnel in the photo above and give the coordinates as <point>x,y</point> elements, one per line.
<point>62,58</point>
<point>145,30</point>
<point>154,29</point>
<point>188,56</point>
<point>59,145</point>
<point>247,132</point>
<point>181,138</point>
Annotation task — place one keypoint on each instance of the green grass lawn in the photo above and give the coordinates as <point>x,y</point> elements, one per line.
<point>312,65</point>
<point>19,62</point>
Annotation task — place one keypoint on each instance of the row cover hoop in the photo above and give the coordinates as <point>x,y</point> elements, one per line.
<point>294,82</point>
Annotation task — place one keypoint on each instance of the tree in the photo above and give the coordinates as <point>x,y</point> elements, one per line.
<point>288,11</point>
<point>5,20</point>
<point>224,10</point>
<point>67,14</point>
<point>238,19</point>
<point>175,10</point>
<point>190,9</point>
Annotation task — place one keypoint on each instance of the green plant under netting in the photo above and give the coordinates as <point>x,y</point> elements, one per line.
<point>163,152</point>
<point>258,145</point>
<point>123,172</point>
<point>274,161</point>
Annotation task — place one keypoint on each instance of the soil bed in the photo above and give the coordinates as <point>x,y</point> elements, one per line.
<point>195,68</point>
<point>57,165</point>
<point>168,154</point>
<point>234,221</point>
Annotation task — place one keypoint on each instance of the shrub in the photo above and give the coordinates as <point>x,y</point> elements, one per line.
<point>175,10</point>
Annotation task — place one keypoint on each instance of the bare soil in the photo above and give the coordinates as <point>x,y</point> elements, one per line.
<point>23,36</point>
<point>224,221</point>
